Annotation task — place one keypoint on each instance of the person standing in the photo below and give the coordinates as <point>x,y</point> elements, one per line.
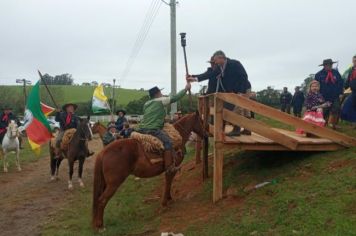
<point>331,87</point>
<point>285,100</point>
<point>230,76</point>
<point>297,102</point>
<point>348,111</point>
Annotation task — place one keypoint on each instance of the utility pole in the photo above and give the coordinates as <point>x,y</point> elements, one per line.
<point>172,5</point>
<point>113,97</point>
<point>24,82</point>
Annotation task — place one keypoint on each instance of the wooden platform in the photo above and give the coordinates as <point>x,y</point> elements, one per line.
<point>263,138</point>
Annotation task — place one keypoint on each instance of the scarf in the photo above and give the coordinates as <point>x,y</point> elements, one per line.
<point>5,117</point>
<point>330,77</point>
<point>68,119</point>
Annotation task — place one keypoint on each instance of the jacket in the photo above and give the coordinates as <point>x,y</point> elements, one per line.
<point>234,77</point>
<point>61,117</point>
<point>330,91</point>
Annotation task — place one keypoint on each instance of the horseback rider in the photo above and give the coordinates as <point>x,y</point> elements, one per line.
<point>67,120</point>
<point>121,119</point>
<point>5,118</point>
<point>153,122</point>
<point>110,135</point>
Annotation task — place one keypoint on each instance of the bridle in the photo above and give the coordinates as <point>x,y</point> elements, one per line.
<point>83,131</point>
<point>12,132</point>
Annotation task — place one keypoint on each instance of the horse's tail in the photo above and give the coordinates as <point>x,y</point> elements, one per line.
<point>99,185</point>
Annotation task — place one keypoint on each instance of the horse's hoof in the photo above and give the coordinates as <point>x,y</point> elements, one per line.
<point>5,170</point>
<point>101,230</point>
<point>19,169</point>
<point>70,187</point>
<point>81,185</point>
<point>53,178</point>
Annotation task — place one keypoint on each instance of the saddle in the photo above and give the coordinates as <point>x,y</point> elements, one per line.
<point>152,144</point>
<point>67,137</point>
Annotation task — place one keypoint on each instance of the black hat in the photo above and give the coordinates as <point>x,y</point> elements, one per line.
<point>153,91</point>
<point>328,62</point>
<point>64,107</point>
<point>121,110</point>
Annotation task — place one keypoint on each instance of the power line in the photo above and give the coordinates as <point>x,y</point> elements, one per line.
<point>142,35</point>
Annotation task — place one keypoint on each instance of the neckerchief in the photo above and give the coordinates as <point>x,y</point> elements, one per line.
<point>330,77</point>
<point>68,119</point>
<point>5,117</point>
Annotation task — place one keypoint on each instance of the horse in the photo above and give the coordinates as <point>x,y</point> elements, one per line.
<point>11,143</point>
<point>77,150</point>
<point>99,128</point>
<point>124,157</point>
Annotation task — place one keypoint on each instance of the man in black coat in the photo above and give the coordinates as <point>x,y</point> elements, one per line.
<point>285,100</point>
<point>297,102</point>
<point>67,120</point>
<point>5,118</point>
<point>227,76</point>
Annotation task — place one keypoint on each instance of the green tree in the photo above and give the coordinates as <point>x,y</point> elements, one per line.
<point>305,85</point>
<point>269,96</point>
<point>136,106</point>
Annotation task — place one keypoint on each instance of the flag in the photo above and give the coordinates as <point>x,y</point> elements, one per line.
<point>47,110</point>
<point>100,101</point>
<point>35,122</point>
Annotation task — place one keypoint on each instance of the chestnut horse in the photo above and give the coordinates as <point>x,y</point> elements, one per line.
<point>124,157</point>
<point>99,128</point>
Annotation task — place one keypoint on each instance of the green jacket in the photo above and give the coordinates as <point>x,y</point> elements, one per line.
<point>154,111</point>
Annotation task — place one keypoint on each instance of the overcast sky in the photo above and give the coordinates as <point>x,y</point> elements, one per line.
<point>279,42</point>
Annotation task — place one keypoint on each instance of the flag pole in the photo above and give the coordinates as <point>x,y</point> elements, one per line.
<point>49,92</point>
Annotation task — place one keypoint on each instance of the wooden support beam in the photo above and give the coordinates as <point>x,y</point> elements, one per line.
<point>198,146</point>
<point>260,128</point>
<point>277,147</point>
<point>218,150</point>
<point>270,112</point>
<point>205,108</point>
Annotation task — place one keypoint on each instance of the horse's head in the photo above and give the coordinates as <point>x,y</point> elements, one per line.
<point>12,130</point>
<point>193,122</point>
<point>85,129</point>
<point>96,127</point>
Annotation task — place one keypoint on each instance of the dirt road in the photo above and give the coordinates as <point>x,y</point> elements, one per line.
<point>28,198</point>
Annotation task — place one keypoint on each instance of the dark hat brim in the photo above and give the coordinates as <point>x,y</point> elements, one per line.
<point>70,104</point>
<point>328,63</point>
<point>123,111</point>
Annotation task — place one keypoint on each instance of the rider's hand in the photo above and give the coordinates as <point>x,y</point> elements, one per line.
<point>188,86</point>
<point>192,79</point>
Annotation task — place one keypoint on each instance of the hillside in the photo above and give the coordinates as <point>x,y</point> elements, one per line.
<point>79,94</point>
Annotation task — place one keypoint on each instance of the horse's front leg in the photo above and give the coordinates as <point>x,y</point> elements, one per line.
<point>5,164</point>
<point>80,171</point>
<point>71,166</point>
<point>18,158</point>
<point>167,190</point>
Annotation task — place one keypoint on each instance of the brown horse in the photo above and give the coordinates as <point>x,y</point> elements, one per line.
<point>124,157</point>
<point>77,150</point>
<point>99,128</point>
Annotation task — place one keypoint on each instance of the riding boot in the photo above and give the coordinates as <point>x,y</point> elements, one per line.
<point>169,162</point>
<point>246,132</point>
<point>235,132</point>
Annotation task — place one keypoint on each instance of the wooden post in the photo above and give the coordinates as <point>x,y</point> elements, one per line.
<point>198,150</point>
<point>218,150</point>
<point>205,113</point>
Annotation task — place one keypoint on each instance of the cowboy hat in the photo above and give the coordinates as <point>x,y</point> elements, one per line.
<point>328,62</point>
<point>121,110</point>
<point>64,107</point>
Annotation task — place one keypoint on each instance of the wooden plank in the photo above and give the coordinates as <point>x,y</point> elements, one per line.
<point>303,139</point>
<point>260,128</point>
<point>288,119</point>
<point>198,146</point>
<point>205,167</point>
<point>250,139</point>
<point>218,150</point>
<point>277,147</point>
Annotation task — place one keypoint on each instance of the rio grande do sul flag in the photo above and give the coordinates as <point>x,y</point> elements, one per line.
<point>100,101</point>
<point>47,110</point>
<point>35,122</point>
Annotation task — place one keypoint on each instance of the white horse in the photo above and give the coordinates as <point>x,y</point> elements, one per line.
<point>11,143</point>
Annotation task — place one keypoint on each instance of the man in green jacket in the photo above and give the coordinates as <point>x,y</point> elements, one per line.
<point>154,113</point>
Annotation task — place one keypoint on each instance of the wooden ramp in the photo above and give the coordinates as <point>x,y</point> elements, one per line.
<point>263,137</point>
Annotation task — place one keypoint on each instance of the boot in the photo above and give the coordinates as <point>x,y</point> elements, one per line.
<point>246,132</point>
<point>169,162</point>
<point>235,132</point>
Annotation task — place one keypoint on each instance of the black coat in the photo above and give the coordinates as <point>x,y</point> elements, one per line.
<point>330,91</point>
<point>61,118</point>
<point>286,98</point>
<point>298,99</point>
<point>234,77</point>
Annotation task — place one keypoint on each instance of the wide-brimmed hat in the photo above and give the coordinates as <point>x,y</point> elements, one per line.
<point>121,110</point>
<point>328,62</point>
<point>153,91</point>
<point>211,60</point>
<point>64,107</point>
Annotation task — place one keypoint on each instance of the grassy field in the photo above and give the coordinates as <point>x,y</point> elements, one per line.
<point>310,194</point>
<point>79,94</point>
